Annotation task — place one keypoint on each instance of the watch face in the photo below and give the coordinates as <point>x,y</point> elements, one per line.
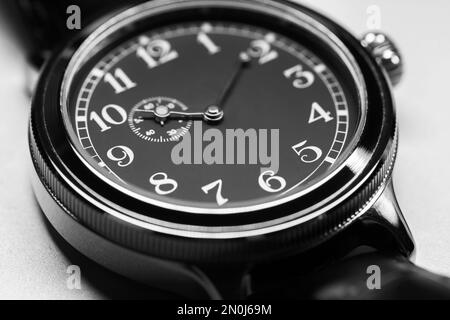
<point>209,112</point>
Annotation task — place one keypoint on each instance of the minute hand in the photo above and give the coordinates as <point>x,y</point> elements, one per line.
<point>244,62</point>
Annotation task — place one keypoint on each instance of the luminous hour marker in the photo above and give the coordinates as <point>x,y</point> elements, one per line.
<point>320,68</point>
<point>144,40</point>
<point>330,160</point>
<point>98,73</point>
<point>270,37</point>
<point>342,113</point>
<point>81,119</point>
<point>207,27</point>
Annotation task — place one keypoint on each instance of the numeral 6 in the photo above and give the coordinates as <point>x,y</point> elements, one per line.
<point>267,178</point>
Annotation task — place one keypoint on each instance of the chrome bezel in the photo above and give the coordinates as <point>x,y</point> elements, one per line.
<point>365,161</point>
<point>100,38</point>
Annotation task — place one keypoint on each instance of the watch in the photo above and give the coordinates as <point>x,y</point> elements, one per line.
<point>222,149</point>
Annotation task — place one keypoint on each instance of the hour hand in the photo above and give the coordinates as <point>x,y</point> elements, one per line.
<point>162,115</point>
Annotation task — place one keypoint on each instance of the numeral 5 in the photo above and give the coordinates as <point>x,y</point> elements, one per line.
<point>307,154</point>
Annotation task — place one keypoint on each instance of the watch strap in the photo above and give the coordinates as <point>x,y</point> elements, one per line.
<point>370,276</point>
<point>40,26</point>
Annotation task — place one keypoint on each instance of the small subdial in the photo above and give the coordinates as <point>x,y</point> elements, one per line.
<point>149,120</point>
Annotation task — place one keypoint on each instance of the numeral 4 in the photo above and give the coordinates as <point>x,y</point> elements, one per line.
<point>219,198</point>
<point>318,113</point>
<point>119,81</point>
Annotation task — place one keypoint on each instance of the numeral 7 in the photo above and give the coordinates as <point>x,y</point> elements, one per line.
<point>219,198</point>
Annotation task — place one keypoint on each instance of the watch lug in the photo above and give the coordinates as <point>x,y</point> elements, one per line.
<point>31,79</point>
<point>387,54</point>
<point>386,212</point>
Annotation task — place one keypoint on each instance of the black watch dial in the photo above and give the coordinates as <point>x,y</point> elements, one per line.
<point>215,116</point>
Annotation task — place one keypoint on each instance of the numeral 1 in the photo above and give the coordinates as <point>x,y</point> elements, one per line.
<point>206,41</point>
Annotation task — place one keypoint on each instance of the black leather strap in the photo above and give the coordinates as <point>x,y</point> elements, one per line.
<point>356,278</point>
<point>41,25</point>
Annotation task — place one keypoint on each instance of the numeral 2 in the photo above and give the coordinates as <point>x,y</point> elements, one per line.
<point>261,50</point>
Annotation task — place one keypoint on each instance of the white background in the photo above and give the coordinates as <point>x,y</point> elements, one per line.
<point>33,262</point>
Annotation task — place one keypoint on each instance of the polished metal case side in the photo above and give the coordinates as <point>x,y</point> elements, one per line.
<point>185,280</point>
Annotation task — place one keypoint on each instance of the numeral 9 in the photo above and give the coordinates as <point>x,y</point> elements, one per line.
<point>124,156</point>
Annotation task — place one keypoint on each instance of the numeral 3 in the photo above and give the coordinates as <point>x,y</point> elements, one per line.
<point>302,79</point>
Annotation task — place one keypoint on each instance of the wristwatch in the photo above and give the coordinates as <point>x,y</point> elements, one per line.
<point>221,149</point>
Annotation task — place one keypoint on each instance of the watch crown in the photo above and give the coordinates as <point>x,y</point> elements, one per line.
<point>386,53</point>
